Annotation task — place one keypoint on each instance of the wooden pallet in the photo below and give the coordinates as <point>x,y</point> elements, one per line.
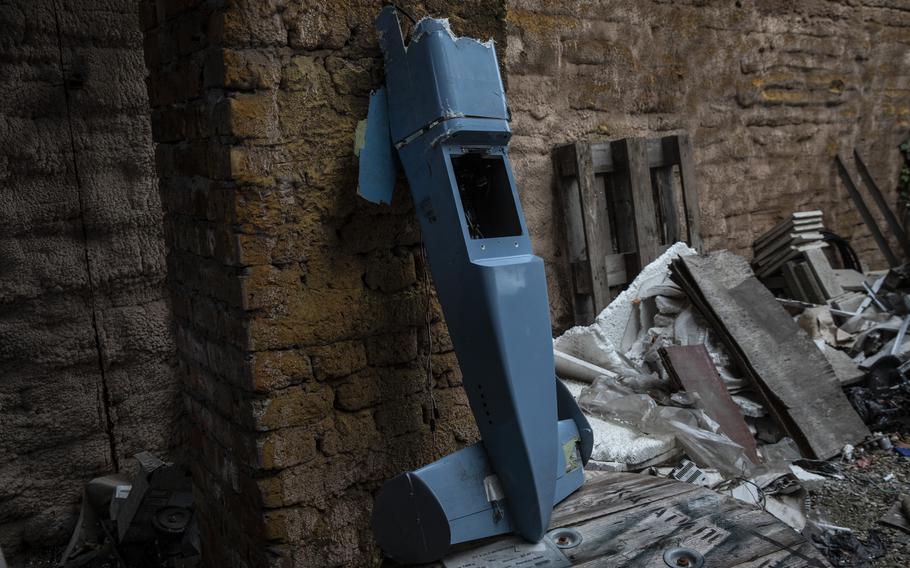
<point>623,206</point>
<point>628,519</point>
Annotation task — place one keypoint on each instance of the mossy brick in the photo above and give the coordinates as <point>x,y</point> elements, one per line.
<point>357,77</point>
<point>445,368</point>
<point>357,432</point>
<point>365,235</point>
<point>252,23</point>
<point>319,25</point>
<point>298,485</point>
<point>442,341</point>
<point>253,115</point>
<point>217,321</point>
<point>248,164</point>
<point>293,406</point>
<point>338,359</point>
<point>392,348</point>
<point>293,525</point>
<point>391,272</point>
<point>403,380</point>
<point>268,286</point>
<point>191,31</point>
<point>328,268</point>
<point>400,416</point>
<point>307,73</point>
<point>358,391</point>
<point>286,447</point>
<point>243,69</point>
<point>277,370</point>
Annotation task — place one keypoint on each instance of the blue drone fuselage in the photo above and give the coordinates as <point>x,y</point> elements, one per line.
<point>443,112</point>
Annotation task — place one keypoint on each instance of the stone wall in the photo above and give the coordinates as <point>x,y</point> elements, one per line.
<point>301,310</point>
<point>770,92</point>
<point>86,350</point>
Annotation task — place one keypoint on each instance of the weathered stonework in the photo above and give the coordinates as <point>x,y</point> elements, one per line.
<point>86,348</point>
<point>770,92</point>
<point>300,309</point>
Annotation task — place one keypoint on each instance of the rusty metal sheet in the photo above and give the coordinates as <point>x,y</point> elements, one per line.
<point>691,367</point>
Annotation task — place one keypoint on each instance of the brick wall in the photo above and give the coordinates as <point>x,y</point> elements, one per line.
<point>300,309</point>
<point>86,350</point>
<point>770,92</point>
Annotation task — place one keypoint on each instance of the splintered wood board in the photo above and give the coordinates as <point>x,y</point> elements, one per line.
<point>793,374</point>
<point>628,519</point>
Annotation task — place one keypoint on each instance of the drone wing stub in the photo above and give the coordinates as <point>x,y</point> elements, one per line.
<point>378,163</point>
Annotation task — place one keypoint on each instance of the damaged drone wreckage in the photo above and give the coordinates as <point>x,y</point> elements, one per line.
<point>694,371</point>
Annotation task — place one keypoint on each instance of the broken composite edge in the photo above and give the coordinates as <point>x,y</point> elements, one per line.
<point>442,117</point>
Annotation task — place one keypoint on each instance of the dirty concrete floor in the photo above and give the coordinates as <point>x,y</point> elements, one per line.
<point>863,497</point>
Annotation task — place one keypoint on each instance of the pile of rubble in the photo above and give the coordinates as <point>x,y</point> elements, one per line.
<point>697,371</point>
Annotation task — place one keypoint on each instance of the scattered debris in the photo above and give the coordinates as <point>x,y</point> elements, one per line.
<point>843,548</point>
<point>143,522</point>
<point>793,378</point>
<point>697,372</point>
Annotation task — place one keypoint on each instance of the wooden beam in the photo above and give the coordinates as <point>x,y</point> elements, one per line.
<point>662,178</point>
<point>879,199</point>
<point>864,212</point>
<point>633,150</point>
<point>689,192</point>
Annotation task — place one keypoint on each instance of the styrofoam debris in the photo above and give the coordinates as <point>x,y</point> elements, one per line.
<point>569,367</point>
<point>670,306</point>
<point>749,407</point>
<point>616,443</point>
<point>598,342</point>
<point>620,444</point>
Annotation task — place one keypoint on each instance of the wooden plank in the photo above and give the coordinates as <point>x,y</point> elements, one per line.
<point>864,212</point>
<point>617,273</point>
<point>630,519</point>
<point>597,226</point>
<point>606,495</point>
<point>692,368</point>
<point>659,155</point>
<point>581,277</point>
<point>793,375</point>
<point>689,192</point>
<point>727,532</point>
<point>662,179</point>
<point>565,161</point>
<point>633,152</point>
<point>622,213</point>
<point>602,158</point>
<point>890,217</point>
